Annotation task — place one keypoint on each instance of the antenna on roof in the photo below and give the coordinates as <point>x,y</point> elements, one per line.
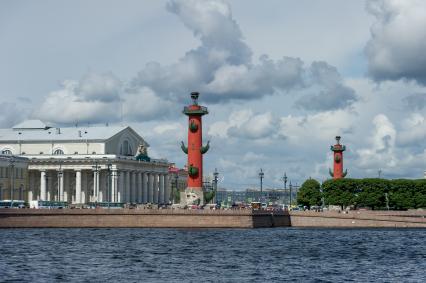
<point>121,110</point>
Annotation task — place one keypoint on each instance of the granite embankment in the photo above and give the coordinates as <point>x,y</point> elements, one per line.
<point>168,218</point>
<point>361,218</point>
<point>150,218</point>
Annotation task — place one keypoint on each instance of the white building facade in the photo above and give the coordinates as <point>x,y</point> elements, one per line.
<point>81,165</point>
<point>13,177</point>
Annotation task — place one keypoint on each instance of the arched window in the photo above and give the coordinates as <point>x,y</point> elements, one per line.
<point>7,151</point>
<point>126,149</point>
<point>58,152</point>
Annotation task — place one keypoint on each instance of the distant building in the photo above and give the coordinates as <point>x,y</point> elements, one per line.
<point>270,196</point>
<point>86,164</point>
<point>13,177</point>
<point>178,177</point>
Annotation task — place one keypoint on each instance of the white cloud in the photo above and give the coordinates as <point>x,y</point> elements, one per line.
<point>397,44</point>
<point>221,68</point>
<point>66,106</point>
<point>99,87</point>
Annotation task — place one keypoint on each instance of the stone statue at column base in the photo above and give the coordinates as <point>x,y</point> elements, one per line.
<point>192,196</point>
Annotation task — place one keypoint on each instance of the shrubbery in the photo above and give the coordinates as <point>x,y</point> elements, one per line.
<point>371,193</point>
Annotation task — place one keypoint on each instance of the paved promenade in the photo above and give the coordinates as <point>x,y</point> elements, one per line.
<point>358,218</point>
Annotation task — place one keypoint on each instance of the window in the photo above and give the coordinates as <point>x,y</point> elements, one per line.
<point>7,151</point>
<point>126,149</point>
<point>58,152</point>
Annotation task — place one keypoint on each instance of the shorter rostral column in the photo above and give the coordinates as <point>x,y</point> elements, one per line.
<point>338,150</point>
<point>195,150</point>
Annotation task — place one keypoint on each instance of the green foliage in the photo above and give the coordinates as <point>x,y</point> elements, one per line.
<point>340,192</point>
<point>402,193</point>
<point>371,192</point>
<point>310,193</point>
<point>208,196</point>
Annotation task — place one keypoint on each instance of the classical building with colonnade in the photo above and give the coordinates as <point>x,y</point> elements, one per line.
<point>87,164</point>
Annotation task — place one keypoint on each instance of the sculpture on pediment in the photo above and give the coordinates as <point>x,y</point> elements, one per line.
<point>142,153</point>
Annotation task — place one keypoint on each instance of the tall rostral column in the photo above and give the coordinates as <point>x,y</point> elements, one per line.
<point>195,150</point>
<point>338,150</point>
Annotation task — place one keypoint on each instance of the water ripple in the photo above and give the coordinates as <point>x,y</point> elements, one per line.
<point>213,255</point>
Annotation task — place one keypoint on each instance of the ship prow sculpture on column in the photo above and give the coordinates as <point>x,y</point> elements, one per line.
<point>194,192</point>
<point>338,150</point>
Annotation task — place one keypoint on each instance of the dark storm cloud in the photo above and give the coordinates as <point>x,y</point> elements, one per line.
<point>332,94</point>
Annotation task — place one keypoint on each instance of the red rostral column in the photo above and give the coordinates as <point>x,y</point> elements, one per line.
<point>195,151</point>
<point>338,150</point>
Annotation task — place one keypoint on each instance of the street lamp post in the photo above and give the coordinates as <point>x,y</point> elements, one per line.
<point>215,175</point>
<point>108,193</point>
<point>12,178</point>
<point>60,190</point>
<point>261,176</point>
<point>284,179</point>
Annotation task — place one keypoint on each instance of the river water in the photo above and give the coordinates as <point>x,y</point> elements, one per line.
<point>213,255</point>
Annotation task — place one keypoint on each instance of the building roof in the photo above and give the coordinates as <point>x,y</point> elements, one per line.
<point>35,130</point>
<point>30,124</point>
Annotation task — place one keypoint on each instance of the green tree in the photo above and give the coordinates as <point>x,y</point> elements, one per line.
<point>340,192</point>
<point>402,194</point>
<point>371,192</point>
<point>420,193</point>
<point>309,193</point>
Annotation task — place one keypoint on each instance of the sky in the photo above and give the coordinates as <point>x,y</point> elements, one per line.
<point>281,79</point>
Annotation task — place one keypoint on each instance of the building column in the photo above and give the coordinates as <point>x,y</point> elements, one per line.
<point>66,178</point>
<point>144,187</point>
<point>84,186</point>
<point>139,188</point>
<point>49,182</point>
<point>101,186</point>
<point>156,192</point>
<point>120,188</point>
<point>43,185</point>
<point>127,198</point>
<point>133,187</point>
<point>95,186</point>
<point>161,188</point>
<point>151,188</point>
<point>30,186</point>
<point>113,185</point>
<point>61,185</point>
<point>78,186</point>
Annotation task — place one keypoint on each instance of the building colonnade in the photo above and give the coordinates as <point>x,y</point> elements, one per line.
<point>100,183</point>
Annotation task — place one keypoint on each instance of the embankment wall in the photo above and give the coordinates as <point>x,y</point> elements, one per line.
<point>103,218</point>
<point>373,219</point>
<point>151,218</point>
